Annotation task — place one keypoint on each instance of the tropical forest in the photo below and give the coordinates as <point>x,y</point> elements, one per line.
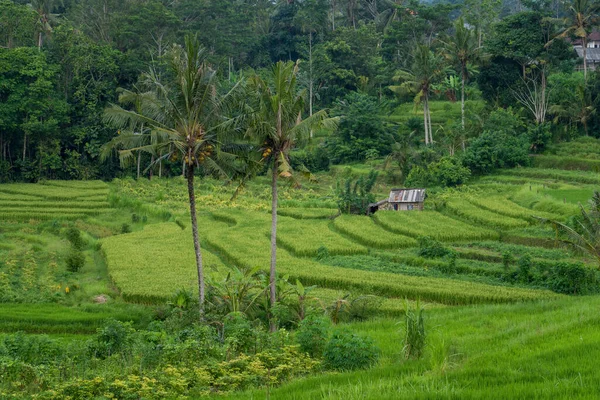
<point>299,199</point>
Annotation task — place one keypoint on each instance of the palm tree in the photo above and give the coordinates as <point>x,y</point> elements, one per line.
<point>44,10</point>
<point>582,17</point>
<point>277,124</point>
<point>184,119</point>
<point>579,112</point>
<point>425,70</point>
<point>585,236</point>
<point>462,49</point>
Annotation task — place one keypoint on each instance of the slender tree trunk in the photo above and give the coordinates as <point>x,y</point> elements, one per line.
<point>151,169</point>
<point>273,269</point>
<point>139,160</point>
<point>333,15</point>
<point>310,79</point>
<point>585,58</point>
<point>40,41</point>
<point>192,198</point>
<point>462,107</point>
<point>160,168</point>
<point>425,122</point>
<point>462,99</point>
<point>183,167</point>
<point>24,145</point>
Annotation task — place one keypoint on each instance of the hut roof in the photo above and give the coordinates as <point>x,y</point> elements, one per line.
<point>407,196</point>
<point>592,54</point>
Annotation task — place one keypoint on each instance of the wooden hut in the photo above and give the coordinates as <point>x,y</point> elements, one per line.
<point>406,199</point>
<point>401,200</point>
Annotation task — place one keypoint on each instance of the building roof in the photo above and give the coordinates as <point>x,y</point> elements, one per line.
<point>407,196</point>
<point>592,54</point>
<point>594,36</point>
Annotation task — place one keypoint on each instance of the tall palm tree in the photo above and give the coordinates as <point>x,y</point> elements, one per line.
<point>426,69</point>
<point>44,9</point>
<point>277,124</point>
<point>583,14</point>
<point>184,118</point>
<point>462,49</point>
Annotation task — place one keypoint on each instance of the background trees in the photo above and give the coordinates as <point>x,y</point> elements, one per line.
<point>349,53</point>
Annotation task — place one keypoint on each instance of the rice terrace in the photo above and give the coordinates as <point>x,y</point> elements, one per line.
<point>305,199</point>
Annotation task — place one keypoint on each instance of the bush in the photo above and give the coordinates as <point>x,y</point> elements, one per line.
<point>74,237</point>
<point>524,268</point>
<point>449,171</point>
<point>417,177</point>
<point>125,228</point>
<point>113,338</point>
<point>573,279</point>
<point>75,260</point>
<point>313,334</point>
<point>431,248</point>
<point>494,150</point>
<point>313,160</point>
<point>347,351</point>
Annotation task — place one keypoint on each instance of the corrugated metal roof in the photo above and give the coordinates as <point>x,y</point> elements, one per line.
<point>407,196</point>
<point>592,54</point>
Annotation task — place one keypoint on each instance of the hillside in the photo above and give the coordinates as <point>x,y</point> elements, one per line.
<point>496,326</point>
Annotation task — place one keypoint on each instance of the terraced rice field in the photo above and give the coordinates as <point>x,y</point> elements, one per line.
<point>364,230</point>
<point>466,209</point>
<point>150,265</point>
<point>433,224</point>
<point>59,200</point>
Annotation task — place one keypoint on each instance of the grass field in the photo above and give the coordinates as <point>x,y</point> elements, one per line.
<point>545,350</point>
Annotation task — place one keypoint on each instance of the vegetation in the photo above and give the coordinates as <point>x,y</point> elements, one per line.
<point>150,249</point>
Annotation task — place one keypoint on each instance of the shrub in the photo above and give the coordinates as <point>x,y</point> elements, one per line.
<point>113,338</point>
<point>363,307</point>
<point>313,160</point>
<point>431,248</point>
<point>449,171</point>
<point>347,351</point>
<point>125,228</point>
<point>573,279</point>
<point>414,332</point>
<point>75,260</point>
<point>238,333</point>
<point>417,177</point>
<point>74,237</point>
<point>524,268</point>
<point>313,334</point>
<point>497,149</point>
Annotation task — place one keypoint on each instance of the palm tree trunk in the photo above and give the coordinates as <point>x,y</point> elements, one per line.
<point>273,270</point>
<point>139,160</point>
<point>310,79</point>
<point>192,199</point>
<point>585,58</point>
<point>462,107</point>
<point>462,99</point>
<point>151,169</point>
<point>425,122</point>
